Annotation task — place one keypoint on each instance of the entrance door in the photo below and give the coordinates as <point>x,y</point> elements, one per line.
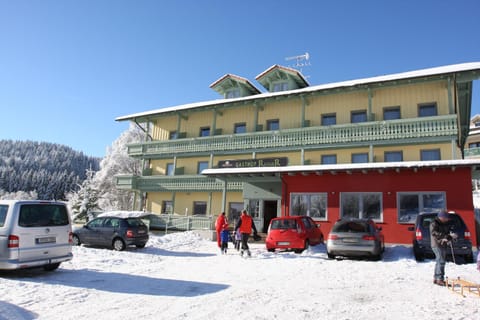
<point>269,212</point>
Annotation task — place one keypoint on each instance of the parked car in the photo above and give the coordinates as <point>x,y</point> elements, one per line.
<point>295,233</point>
<point>356,238</point>
<point>462,246</point>
<point>112,232</point>
<point>34,233</point>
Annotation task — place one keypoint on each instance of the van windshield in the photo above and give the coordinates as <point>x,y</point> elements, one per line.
<point>43,215</point>
<point>3,214</point>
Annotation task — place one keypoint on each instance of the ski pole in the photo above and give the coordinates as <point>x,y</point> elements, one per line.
<point>453,254</point>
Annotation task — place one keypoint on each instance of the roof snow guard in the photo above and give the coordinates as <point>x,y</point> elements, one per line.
<point>230,82</point>
<point>337,168</point>
<point>278,73</point>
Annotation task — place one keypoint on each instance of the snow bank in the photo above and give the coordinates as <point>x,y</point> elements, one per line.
<point>182,276</point>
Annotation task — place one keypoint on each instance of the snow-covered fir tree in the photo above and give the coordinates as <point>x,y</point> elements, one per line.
<point>118,162</point>
<point>85,200</point>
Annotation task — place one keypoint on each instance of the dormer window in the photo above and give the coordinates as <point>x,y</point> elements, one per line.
<point>278,78</point>
<point>233,93</point>
<point>280,86</point>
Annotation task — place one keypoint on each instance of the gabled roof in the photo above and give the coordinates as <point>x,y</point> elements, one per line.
<point>472,67</point>
<point>277,72</point>
<point>230,81</point>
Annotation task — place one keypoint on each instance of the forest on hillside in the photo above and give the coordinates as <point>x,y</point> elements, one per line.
<point>48,169</point>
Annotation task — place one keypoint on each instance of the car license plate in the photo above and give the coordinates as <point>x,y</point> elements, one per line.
<point>283,243</point>
<point>46,240</point>
<point>350,240</point>
<point>141,231</point>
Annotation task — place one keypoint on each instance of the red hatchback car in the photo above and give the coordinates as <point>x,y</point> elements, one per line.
<point>295,233</point>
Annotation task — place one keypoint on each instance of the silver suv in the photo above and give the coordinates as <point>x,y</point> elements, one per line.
<point>34,233</point>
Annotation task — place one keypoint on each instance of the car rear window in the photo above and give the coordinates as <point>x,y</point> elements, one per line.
<point>284,224</point>
<point>42,215</point>
<point>134,222</point>
<point>3,214</point>
<point>351,226</point>
<point>455,221</point>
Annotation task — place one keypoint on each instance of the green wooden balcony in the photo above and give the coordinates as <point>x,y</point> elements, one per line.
<point>472,153</point>
<point>438,128</point>
<point>174,183</point>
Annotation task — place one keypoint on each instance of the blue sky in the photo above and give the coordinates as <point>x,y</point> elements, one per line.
<point>69,68</point>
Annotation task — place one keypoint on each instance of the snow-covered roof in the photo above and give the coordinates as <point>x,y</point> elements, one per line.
<point>125,214</point>
<point>344,167</point>
<point>471,66</point>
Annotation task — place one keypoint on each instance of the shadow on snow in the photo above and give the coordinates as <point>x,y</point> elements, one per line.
<point>117,282</point>
<point>10,311</point>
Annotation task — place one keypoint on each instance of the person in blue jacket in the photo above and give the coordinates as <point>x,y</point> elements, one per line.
<point>224,237</point>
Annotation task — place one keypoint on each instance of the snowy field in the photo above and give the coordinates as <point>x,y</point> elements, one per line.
<point>181,276</point>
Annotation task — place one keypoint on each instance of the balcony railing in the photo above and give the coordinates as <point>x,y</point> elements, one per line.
<point>347,134</point>
<point>174,183</point>
<point>472,153</point>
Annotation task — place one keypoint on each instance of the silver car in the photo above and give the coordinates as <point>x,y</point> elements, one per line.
<point>356,238</point>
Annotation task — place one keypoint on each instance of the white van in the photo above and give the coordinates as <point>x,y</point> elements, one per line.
<point>34,233</point>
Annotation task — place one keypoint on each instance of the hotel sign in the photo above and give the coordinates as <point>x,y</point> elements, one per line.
<point>251,163</point>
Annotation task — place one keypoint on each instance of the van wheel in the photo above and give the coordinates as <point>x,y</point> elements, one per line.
<point>118,244</point>
<point>51,267</point>
<point>76,240</point>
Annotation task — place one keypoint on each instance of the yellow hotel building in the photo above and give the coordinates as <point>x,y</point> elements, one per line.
<point>421,115</point>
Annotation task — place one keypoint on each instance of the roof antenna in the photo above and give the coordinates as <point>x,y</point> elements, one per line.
<point>302,60</point>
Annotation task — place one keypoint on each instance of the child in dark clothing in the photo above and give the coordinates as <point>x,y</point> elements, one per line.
<point>224,236</point>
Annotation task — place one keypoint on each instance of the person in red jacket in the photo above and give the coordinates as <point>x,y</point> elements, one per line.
<point>245,224</point>
<point>221,220</point>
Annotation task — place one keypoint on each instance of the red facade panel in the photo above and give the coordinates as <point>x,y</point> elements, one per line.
<point>454,181</point>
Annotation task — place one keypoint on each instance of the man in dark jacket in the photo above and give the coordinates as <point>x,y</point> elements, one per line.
<point>245,224</point>
<point>440,238</point>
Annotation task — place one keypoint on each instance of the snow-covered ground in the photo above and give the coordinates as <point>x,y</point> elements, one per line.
<point>181,276</point>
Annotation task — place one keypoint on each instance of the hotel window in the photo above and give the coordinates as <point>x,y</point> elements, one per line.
<point>359,157</point>
<point>234,93</point>
<point>411,204</point>
<point>234,211</point>
<point>253,208</point>
<point>170,169</point>
<point>474,145</point>
<point>199,207</point>
<point>358,116</point>
<point>329,159</point>
<point>429,155</point>
<point>280,86</point>
<point>309,204</point>
<point>205,132</point>
<point>427,110</point>
<point>273,124</point>
<point>393,156</point>
<point>173,135</point>
<point>167,207</point>
<point>329,119</point>
<point>240,128</point>
<point>202,165</point>
<point>391,113</point>
<point>361,205</point>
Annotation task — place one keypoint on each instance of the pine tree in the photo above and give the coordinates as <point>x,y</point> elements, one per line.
<point>85,199</point>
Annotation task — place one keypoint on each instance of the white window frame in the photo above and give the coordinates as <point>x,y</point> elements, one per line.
<point>361,204</point>
<point>310,209</point>
<point>409,217</point>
